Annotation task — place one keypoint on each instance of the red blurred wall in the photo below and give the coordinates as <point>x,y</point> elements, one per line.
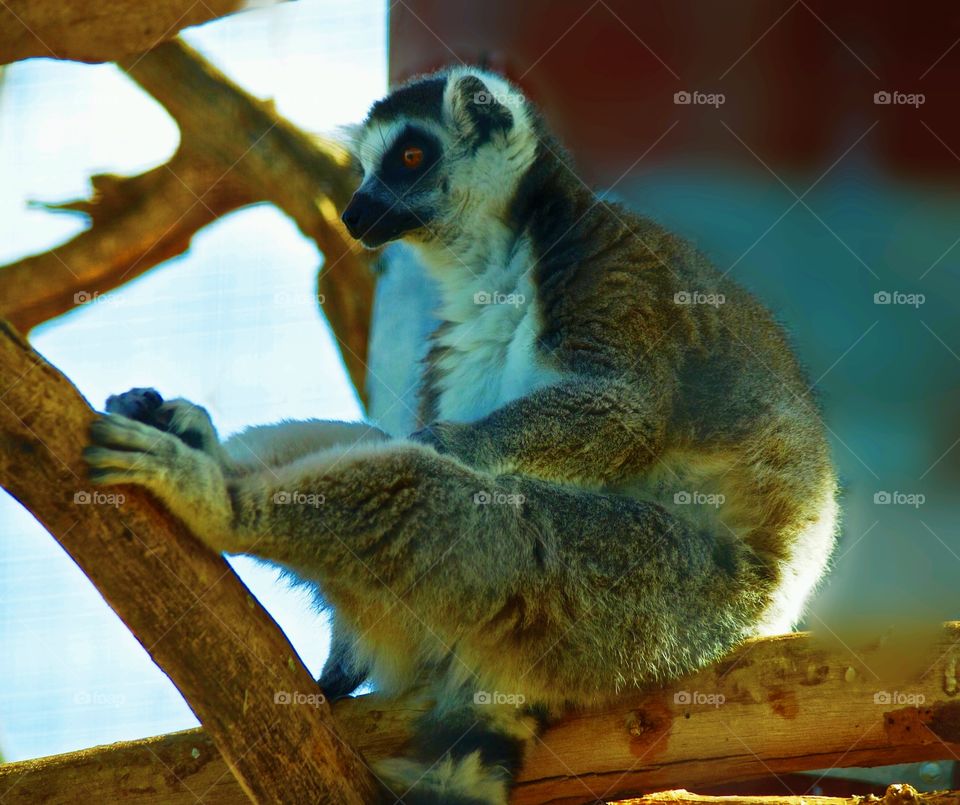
<point>798,77</point>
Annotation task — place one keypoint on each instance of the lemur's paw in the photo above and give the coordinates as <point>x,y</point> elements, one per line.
<point>189,422</point>
<point>126,451</point>
<point>189,482</point>
<point>139,404</point>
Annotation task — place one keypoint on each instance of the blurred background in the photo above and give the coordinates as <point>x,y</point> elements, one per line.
<point>812,151</point>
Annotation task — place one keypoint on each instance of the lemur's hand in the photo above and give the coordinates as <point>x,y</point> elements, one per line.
<point>184,419</point>
<point>190,482</point>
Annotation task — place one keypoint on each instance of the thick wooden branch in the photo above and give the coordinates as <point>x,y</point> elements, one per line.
<point>782,704</point>
<point>300,174</point>
<point>182,602</point>
<point>140,771</point>
<point>775,706</point>
<point>137,222</point>
<point>98,30</point>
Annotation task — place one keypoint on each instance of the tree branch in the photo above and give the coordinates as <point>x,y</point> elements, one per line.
<point>98,30</point>
<point>181,601</point>
<point>137,222</point>
<point>139,771</point>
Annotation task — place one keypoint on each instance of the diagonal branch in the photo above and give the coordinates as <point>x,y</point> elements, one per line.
<point>137,222</point>
<point>181,601</point>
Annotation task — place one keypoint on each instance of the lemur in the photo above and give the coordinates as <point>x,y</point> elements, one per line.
<point>620,471</point>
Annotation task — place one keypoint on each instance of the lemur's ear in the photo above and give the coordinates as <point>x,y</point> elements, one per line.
<point>477,112</point>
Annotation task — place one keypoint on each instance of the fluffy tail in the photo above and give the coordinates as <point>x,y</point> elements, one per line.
<point>464,752</point>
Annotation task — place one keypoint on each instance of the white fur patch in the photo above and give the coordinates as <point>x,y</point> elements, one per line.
<point>483,269</point>
<point>802,571</point>
<point>492,357</point>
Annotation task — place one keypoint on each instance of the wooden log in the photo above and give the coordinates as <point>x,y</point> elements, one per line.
<point>180,600</point>
<point>178,768</point>
<point>780,704</point>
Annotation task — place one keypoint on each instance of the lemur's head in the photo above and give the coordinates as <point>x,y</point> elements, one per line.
<point>438,154</point>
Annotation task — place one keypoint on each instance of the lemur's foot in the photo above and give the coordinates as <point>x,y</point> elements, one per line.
<point>189,422</point>
<point>190,482</point>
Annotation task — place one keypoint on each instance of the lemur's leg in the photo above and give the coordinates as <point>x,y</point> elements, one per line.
<point>418,546</point>
<point>516,584</point>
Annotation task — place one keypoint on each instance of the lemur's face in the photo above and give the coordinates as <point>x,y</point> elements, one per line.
<point>435,153</point>
<point>402,164</point>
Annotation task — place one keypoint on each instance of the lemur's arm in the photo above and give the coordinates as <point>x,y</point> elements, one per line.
<point>263,446</point>
<point>253,449</point>
<point>601,425</point>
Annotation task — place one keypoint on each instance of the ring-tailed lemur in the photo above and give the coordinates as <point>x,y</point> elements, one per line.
<point>621,472</point>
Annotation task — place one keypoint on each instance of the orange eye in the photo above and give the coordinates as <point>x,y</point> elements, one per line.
<point>412,157</point>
